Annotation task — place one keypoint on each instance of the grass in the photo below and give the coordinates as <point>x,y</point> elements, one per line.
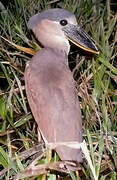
<point>96,82</point>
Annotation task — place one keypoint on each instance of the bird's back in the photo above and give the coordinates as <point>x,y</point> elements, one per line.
<point>51,94</point>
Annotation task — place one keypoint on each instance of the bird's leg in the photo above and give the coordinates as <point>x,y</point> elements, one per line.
<point>39,136</point>
<point>49,155</point>
<point>48,159</point>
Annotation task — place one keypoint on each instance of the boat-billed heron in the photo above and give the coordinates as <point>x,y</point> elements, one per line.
<point>50,86</point>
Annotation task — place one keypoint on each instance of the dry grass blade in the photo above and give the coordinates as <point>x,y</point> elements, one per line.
<point>24,49</point>
<point>43,169</point>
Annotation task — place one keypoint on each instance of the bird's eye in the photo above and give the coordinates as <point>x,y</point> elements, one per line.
<point>63,22</point>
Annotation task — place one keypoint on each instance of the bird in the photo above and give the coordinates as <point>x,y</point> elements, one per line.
<point>50,87</point>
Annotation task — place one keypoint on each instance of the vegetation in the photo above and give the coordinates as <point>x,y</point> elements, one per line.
<point>96,82</point>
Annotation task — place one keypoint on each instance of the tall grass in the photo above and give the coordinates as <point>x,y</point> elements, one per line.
<point>96,82</point>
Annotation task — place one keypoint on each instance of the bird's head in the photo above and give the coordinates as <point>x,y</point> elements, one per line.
<point>54,28</point>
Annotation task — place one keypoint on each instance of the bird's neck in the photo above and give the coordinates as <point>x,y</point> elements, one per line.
<point>58,46</point>
<point>61,54</point>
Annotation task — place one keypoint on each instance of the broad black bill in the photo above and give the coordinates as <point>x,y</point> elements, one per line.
<point>80,38</point>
